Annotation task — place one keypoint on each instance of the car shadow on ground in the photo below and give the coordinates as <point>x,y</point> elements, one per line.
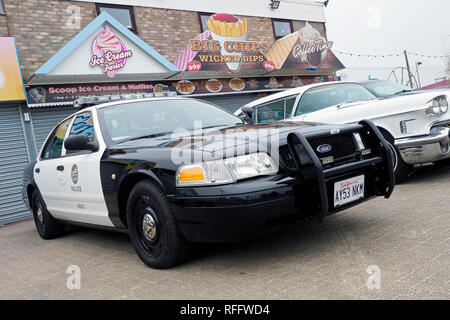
<point>428,172</point>
<point>306,237</point>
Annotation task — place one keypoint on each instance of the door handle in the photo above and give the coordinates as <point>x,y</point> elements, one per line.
<point>37,170</point>
<point>60,168</point>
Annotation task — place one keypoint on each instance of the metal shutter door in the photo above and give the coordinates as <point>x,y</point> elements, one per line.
<point>13,160</point>
<point>45,120</point>
<point>230,102</point>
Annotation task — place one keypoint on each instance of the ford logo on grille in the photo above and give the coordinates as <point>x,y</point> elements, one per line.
<point>324,148</point>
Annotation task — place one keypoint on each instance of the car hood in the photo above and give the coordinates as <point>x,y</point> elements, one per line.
<point>229,137</point>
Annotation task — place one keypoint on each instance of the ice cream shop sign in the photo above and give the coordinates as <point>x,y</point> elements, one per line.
<point>109,52</point>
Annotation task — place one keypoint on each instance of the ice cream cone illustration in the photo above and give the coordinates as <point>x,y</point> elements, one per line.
<point>226,27</point>
<point>281,48</point>
<point>107,42</point>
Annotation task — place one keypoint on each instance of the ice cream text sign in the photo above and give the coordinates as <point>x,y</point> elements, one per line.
<point>109,52</point>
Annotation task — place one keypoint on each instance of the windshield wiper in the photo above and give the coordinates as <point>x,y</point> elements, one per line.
<point>345,102</point>
<point>403,91</point>
<point>148,136</point>
<point>155,135</point>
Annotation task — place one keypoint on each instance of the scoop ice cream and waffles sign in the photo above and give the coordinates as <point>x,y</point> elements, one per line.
<point>109,52</point>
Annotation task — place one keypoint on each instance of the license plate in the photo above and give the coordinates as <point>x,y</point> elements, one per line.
<point>348,190</point>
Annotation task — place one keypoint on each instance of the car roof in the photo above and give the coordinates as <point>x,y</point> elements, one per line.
<point>294,91</point>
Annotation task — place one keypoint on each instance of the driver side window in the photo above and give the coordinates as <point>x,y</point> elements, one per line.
<point>54,145</point>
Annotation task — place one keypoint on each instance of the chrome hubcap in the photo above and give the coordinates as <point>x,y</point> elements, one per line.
<point>40,215</point>
<point>149,227</point>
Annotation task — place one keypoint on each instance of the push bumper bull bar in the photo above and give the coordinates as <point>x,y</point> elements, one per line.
<point>295,138</point>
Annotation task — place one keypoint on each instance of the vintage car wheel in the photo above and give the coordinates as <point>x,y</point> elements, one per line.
<point>46,225</point>
<point>152,227</point>
<point>402,170</point>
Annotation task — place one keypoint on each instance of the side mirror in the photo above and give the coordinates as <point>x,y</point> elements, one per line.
<point>248,114</point>
<point>79,142</point>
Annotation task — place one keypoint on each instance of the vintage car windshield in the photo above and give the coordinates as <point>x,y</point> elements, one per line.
<point>385,88</point>
<point>322,97</point>
<point>134,120</point>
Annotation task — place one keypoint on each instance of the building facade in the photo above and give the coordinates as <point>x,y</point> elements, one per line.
<point>227,52</point>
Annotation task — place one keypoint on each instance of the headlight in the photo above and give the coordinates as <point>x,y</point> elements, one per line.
<point>443,105</point>
<point>435,107</point>
<point>438,106</point>
<point>226,171</point>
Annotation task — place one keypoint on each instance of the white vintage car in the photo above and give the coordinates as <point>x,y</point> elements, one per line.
<point>416,125</point>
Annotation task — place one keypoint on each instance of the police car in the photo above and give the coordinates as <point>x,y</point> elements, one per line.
<point>175,171</point>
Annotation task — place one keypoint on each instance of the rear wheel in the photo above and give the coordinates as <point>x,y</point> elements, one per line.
<point>153,228</point>
<point>46,225</point>
<point>402,170</point>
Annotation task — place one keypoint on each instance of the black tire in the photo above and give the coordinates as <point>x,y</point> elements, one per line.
<point>160,246</point>
<point>46,225</point>
<point>402,170</point>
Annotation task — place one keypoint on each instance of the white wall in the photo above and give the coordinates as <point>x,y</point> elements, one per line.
<point>289,9</point>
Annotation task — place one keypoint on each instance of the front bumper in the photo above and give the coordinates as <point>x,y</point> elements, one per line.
<point>423,149</point>
<point>258,206</point>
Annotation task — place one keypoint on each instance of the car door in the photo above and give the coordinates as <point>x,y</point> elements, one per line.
<point>82,192</point>
<point>48,175</point>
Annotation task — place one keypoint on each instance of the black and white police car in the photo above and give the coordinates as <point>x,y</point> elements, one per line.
<point>146,166</point>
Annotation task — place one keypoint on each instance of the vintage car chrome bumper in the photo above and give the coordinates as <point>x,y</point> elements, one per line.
<point>423,149</point>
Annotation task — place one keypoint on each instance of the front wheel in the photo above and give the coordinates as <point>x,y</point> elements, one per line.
<point>402,170</point>
<point>153,228</point>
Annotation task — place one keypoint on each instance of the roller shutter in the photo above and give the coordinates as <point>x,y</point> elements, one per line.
<point>13,160</point>
<point>230,102</point>
<point>45,120</point>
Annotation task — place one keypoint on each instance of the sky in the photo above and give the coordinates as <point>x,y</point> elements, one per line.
<point>380,27</point>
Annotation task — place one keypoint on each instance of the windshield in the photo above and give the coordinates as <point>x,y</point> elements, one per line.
<point>322,97</point>
<point>128,121</point>
<point>385,88</point>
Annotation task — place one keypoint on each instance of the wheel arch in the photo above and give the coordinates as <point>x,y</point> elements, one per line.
<point>127,185</point>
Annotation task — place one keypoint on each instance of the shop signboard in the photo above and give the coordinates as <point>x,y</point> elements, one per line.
<point>11,85</point>
<point>70,92</point>
<point>109,52</point>
<point>225,46</point>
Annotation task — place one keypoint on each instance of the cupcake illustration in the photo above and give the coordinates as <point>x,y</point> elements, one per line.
<point>226,27</point>
<point>105,42</point>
